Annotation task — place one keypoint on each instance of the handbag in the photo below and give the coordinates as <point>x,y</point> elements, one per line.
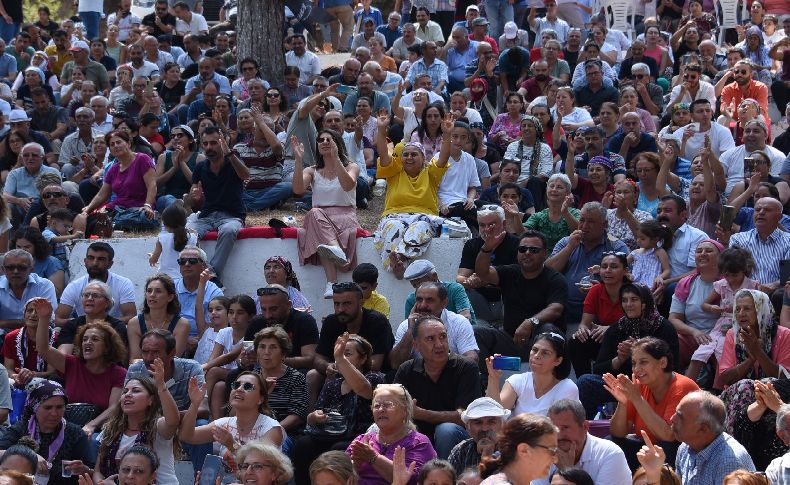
<point>81,413</point>
<point>337,427</point>
<point>133,219</point>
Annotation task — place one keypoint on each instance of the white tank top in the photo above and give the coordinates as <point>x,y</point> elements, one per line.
<point>328,192</point>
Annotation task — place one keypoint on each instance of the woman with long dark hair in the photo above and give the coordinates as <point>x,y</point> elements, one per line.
<point>162,310</point>
<point>45,265</point>
<point>276,106</point>
<point>429,133</point>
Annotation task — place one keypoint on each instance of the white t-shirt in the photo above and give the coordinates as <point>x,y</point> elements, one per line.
<point>705,91</point>
<point>732,162</point>
<point>461,175</point>
<point>603,460</point>
<point>262,426</point>
<point>720,140</point>
<point>168,260</point>
<point>460,336</point>
<point>528,403</point>
<point>206,345</point>
<point>545,159</point>
<point>577,116</point>
<point>225,339</point>
<point>122,292</point>
<point>308,64</point>
<point>166,473</point>
<point>355,150</point>
<point>197,25</point>
<point>148,69</point>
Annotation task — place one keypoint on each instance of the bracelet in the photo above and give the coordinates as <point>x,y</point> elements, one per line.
<point>147,205</point>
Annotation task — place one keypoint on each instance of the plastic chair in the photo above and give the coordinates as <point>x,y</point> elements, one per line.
<point>618,17</point>
<point>729,15</point>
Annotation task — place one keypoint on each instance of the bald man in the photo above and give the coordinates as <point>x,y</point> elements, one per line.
<point>632,139</point>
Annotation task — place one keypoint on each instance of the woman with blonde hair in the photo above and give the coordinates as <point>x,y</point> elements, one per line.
<point>264,464</point>
<point>333,468</point>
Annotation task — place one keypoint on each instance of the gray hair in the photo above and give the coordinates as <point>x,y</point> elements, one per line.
<point>281,465</point>
<point>85,109</point>
<point>20,253</point>
<point>99,97</point>
<point>104,288</point>
<point>573,406</point>
<point>711,411</point>
<point>196,249</point>
<point>35,145</point>
<point>781,416</point>
<point>595,206</point>
<point>371,66</point>
<point>361,48</point>
<point>489,209</point>
<point>550,32</point>
<point>256,81</point>
<point>640,67</point>
<point>562,178</point>
<point>554,42</point>
<point>460,28</point>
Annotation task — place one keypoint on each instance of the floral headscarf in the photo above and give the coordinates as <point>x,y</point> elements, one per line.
<point>290,275</point>
<point>39,390</point>
<point>765,325</point>
<point>648,322</point>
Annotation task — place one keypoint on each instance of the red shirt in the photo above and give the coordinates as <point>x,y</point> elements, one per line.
<point>586,193</point>
<point>597,303</point>
<point>84,386</point>
<point>9,350</point>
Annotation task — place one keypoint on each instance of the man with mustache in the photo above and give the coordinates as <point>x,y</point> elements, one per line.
<point>483,419</point>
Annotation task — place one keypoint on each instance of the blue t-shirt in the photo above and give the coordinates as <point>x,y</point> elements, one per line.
<point>47,267</point>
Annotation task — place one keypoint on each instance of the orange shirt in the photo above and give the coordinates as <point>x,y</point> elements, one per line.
<point>732,95</point>
<point>679,387</point>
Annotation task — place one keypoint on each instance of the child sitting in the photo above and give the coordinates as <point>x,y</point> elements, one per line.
<point>58,231</point>
<point>366,276</point>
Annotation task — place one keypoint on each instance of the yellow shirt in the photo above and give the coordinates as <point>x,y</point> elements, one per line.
<point>377,302</point>
<point>57,59</point>
<point>405,194</point>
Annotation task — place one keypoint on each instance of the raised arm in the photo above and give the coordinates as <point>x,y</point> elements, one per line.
<point>447,128</point>
<point>383,122</point>
<point>483,268</point>
<point>359,384</point>
<point>570,164</point>
<point>302,179</point>
<point>189,433</point>
<point>49,353</point>
<point>168,424</point>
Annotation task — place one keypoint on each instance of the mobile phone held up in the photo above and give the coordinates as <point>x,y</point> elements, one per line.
<point>212,468</point>
<point>502,362</point>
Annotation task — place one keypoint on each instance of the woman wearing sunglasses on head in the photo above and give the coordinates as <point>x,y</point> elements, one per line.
<point>249,401</point>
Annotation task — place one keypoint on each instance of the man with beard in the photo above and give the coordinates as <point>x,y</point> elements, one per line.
<point>594,137</point>
<point>98,261</point>
<point>483,419</point>
<point>349,317</point>
<point>603,460</point>
<point>744,87</point>
<point>77,145</point>
<point>18,285</point>
<point>536,85</point>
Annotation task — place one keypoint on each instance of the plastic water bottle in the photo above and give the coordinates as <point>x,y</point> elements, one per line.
<point>18,397</point>
<point>380,187</point>
<point>445,231</point>
<point>599,414</point>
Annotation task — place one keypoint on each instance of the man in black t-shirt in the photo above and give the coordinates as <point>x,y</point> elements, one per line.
<point>300,326</point>
<point>349,317</point>
<point>160,21</point>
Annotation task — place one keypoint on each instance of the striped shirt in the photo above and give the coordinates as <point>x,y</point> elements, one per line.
<point>710,465</point>
<point>289,395</point>
<point>766,253</point>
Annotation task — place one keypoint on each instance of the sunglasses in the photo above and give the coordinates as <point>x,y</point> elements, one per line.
<point>324,140</point>
<point>272,95</point>
<point>245,386</point>
<point>52,195</point>
<point>529,249</point>
<point>742,71</point>
<point>185,261</point>
<point>552,335</point>
<point>270,290</point>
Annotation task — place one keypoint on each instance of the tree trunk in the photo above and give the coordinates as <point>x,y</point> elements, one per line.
<point>260,36</point>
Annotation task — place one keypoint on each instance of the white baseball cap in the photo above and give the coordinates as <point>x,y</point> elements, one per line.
<point>484,407</point>
<point>511,30</point>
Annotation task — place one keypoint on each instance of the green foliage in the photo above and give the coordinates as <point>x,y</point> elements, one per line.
<point>60,10</point>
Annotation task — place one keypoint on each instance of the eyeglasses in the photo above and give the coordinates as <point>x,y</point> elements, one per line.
<point>245,386</point>
<point>385,405</point>
<point>185,261</point>
<point>529,249</point>
<point>256,467</point>
<point>551,449</point>
<point>10,268</point>
<point>93,296</point>
<point>270,290</point>
<point>640,76</point>
<point>52,195</point>
<point>30,155</point>
<point>272,95</point>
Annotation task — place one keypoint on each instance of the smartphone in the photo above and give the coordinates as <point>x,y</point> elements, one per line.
<point>727,217</point>
<point>212,468</point>
<point>695,125</point>
<point>748,167</point>
<point>502,362</point>
<point>343,89</point>
<point>149,88</point>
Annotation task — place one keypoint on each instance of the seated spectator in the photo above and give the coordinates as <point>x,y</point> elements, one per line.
<point>590,51</point>
<point>509,173</point>
<point>761,173</point>
<point>547,381</point>
<point>641,319</point>
<point>594,140</point>
<point>633,140</point>
<point>593,93</point>
<point>646,166</point>
<point>97,300</point>
<point>92,375</point>
<point>777,469</point>
<point>599,171</point>
<point>507,126</point>
<point>567,114</point>
<point>18,284</point>
<point>647,405</point>
<point>33,77</point>
<point>257,452</point>
<point>412,198</point>
<point>54,195</point>
<point>19,190</point>
<point>629,102</point>
<point>11,147</point>
<point>757,54</point>
<point>19,350</point>
<point>744,220</point>
<point>45,265</point>
<point>174,167</point>
<point>755,137</point>
<point>277,270</point>
<point>680,116</point>
<point>639,63</point>
<point>366,276</point>
<point>601,310</point>
<point>458,187</point>
<point>20,461</point>
<point>559,218</point>
<point>150,415</point>
<point>530,151</point>
<point>538,84</point>
<point>704,201</point>
<point>693,135</point>
<point>748,110</point>
<point>42,419</point>
<point>516,462</point>
<point>46,117</point>
<point>249,400</point>
<point>623,221</point>
<point>161,310</point>
<point>691,87</point>
<point>483,419</point>
<point>349,394</point>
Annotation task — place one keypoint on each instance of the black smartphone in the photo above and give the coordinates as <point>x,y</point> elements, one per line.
<point>212,468</point>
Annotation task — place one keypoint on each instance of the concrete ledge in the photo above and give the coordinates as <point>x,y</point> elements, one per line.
<point>244,271</point>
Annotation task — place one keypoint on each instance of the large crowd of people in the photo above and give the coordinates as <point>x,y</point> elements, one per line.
<point>609,322</point>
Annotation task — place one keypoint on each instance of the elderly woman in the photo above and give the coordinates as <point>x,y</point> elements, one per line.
<point>57,441</point>
<point>411,206</point>
<point>522,464</point>
<point>748,110</point>
<point>596,184</point>
<point>373,452</point>
<point>45,265</point>
<point>761,172</point>
<point>161,310</point>
<point>174,167</point>
<point>19,350</point>
<point>264,464</point>
<point>629,102</point>
<point>601,310</point>
<point>33,77</point>
<point>277,270</point>
<point>704,201</point>
<point>755,51</point>
<point>647,403</point>
<point>566,114</point>
<point>92,375</point>
<point>531,151</point>
<point>679,116</point>
<point>559,218</point>
<point>349,395</point>
<point>686,314</point>
<point>507,125</point>
<point>608,120</point>
<point>624,219</point>
<point>97,301</point>
<point>756,350</point>
<point>640,319</point>
<point>132,182</point>
<point>330,228</point>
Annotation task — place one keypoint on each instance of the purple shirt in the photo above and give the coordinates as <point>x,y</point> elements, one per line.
<point>418,450</point>
<point>128,185</point>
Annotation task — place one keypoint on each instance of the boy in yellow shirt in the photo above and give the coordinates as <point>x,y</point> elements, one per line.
<point>367,277</point>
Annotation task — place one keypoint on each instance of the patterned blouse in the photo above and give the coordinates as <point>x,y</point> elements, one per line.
<point>503,123</point>
<point>619,229</point>
<point>331,399</point>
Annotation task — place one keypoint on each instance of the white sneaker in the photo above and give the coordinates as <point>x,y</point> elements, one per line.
<point>328,291</point>
<point>333,254</point>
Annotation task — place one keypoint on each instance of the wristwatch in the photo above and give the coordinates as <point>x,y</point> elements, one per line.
<point>535,322</point>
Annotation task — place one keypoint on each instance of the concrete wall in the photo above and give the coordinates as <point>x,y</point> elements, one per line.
<point>244,271</point>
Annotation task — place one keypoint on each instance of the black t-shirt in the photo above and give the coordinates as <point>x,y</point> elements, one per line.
<point>221,191</point>
<point>171,96</point>
<point>375,328</point>
<point>48,29</point>
<point>148,21</point>
<point>523,298</point>
<point>300,327</point>
<point>458,385</point>
<point>505,253</point>
<point>614,335</point>
<point>69,331</point>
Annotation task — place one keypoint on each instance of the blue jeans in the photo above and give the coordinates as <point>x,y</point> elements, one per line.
<point>91,22</point>
<point>257,199</point>
<point>197,453</point>
<point>227,226</point>
<point>8,31</point>
<point>498,13</point>
<point>446,436</point>
<point>592,393</point>
<point>165,201</point>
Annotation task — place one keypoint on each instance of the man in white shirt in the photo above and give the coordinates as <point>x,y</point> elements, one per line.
<point>755,134</point>
<point>427,29</point>
<point>188,22</point>
<point>673,212</point>
<point>550,21</point>
<point>307,62</point>
<point>603,460</point>
<point>694,138</point>
<point>140,66</point>
<point>103,121</point>
<point>778,472</point>
<point>692,87</point>
<point>124,19</point>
